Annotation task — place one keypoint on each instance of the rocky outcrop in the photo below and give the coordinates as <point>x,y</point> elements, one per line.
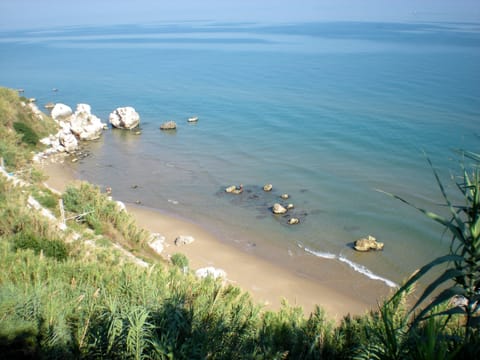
<point>81,125</point>
<point>367,244</point>
<point>85,125</point>
<point>124,118</point>
<point>169,125</point>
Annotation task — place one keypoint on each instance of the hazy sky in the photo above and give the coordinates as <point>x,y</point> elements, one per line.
<point>44,13</point>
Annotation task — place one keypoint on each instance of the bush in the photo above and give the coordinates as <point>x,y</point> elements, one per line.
<point>46,199</point>
<point>56,249</point>
<point>179,260</point>
<point>29,137</point>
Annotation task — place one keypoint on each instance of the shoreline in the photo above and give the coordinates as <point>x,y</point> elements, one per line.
<point>267,281</point>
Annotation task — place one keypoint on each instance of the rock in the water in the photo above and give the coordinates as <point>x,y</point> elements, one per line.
<point>61,112</point>
<point>233,189</point>
<point>367,244</point>
<point>285,196</point>
<point>124,118</point>
<point>268,187</point>
<point>278,209</point>
<point>85,125</point>
<point>211,271</point>
<point>290,206</point>
<point>169,125</point>
<point>184,240</point>
<point>293,221</point>
<point>230,189</point>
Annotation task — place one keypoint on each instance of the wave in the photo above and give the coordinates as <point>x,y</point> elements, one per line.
<point>357,267</point>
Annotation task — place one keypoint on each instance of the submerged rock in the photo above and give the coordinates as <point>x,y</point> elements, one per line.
<point>293,221</point>
<point>233,189</point>
<point>268,187</point>
<point>124,118</point>
<point>367,244</point>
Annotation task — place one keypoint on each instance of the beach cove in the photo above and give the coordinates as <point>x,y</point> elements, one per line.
<point>268,283</point>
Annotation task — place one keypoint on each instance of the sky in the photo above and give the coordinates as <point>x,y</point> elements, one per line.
<point>30,14</point>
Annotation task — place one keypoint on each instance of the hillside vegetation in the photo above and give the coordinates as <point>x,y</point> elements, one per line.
<point>73,292</point>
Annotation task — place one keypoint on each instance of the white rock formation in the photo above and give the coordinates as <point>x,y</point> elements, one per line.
<point>61,112</point>
<point>124,118</point>
<point>85,125</point>
<point>157,243</point>
<point>67,140</point>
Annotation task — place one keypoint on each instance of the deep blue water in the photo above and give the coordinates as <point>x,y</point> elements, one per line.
<point>327,112</point>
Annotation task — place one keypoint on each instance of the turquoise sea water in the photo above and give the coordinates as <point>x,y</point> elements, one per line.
<point>326,112</point>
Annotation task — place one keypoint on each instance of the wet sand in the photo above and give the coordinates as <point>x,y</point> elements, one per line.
<point>268,282</point>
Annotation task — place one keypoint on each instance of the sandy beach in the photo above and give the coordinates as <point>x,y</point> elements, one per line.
<point>266,281</point>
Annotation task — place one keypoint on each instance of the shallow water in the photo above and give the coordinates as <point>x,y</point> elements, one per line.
<point>326,112</point>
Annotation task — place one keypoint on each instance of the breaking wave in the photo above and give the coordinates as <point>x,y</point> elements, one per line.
<point>357,267</point>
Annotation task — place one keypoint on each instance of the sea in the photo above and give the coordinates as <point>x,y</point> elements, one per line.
<point>338,115</point>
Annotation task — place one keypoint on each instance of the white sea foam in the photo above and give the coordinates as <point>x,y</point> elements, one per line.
<point>357,267</point>
<point>324,255</point>
<point>363,270</point>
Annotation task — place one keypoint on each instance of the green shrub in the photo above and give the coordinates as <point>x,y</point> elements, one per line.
<point>46,199</point>
<point>179,260</point>
<point>29,137</point>
<point>54,248</point>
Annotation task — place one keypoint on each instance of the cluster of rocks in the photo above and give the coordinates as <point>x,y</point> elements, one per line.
<point>277,208</point>
<point>82,125</point>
